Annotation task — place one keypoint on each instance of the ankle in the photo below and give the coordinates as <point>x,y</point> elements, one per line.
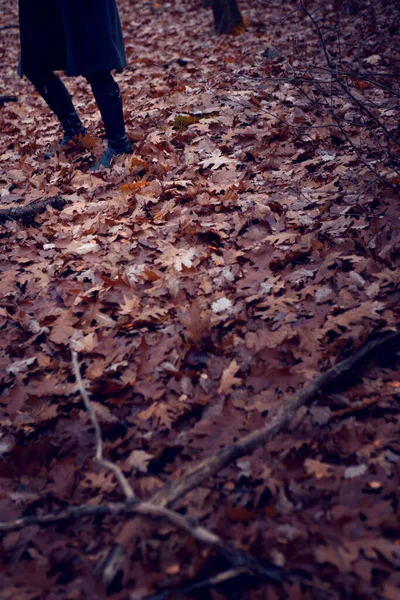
<point>110,152</point>
<point>70,135</point>
<point>120,146</point>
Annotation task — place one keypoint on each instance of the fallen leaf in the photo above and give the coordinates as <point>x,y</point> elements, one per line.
<point>228,379</point>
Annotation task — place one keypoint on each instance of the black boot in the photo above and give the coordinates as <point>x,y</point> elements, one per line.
<point>109,101</point>
<point>73,130</point>
<point>57,97</point>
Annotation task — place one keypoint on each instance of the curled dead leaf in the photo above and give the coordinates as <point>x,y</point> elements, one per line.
<point>228,379</point>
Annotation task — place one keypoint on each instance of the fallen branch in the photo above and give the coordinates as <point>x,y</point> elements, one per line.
<point>215,463</point>
<point>156,507</point>
<point>10,26</point>
<point>4,99</point>
<point>72,513</point>
<point>28,213</point>
<point>286,411</point>
<point>146,509</point>
<point>233,556</point>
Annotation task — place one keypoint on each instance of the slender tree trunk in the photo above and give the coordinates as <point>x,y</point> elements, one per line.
<point>227,17</point>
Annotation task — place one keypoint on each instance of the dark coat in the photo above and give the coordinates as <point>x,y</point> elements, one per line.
<point>76,36</point>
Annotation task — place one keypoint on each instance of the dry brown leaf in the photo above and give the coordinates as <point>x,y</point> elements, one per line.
<point>228,379</point>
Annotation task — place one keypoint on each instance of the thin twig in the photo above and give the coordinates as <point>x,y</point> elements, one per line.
<point>337,120</point>
<point>359,155</point>
<point>106,464</point>
<point>340,82</point>
<point>339,125</point>
<point>360,76</point>
<point>131,506</point>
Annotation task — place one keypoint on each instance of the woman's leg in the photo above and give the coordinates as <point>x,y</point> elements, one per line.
<point>57,97</point>
<point>106,92</point>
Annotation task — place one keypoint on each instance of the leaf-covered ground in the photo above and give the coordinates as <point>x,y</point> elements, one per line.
<point>245,248</point>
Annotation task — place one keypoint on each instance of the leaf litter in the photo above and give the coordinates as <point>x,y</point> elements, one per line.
<point>241,251</point>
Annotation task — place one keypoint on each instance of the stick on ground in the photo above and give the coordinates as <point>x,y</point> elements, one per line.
<point>232,555</point>
<point>106,464</point>
<point>27,213</point>
<point>212,465</point>
<point>4,99</point>
<point>9,26</point>
<point>215,463</point>
<point>157,507</point>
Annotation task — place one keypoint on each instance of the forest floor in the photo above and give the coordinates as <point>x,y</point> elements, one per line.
<point>251,243</point>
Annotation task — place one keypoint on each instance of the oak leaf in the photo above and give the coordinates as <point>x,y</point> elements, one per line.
<point>228,379</point>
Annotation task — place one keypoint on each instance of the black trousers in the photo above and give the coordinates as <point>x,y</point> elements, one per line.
<point>44,79</point>
<point>105,90</point>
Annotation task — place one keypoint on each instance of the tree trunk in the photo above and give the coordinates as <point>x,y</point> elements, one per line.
<point>227,17</point>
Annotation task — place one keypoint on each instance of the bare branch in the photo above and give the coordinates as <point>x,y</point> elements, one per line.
<point>340,82</point>
<point>71,513</point>
<point>27,213</point>
<point>7,98</point>
<point>148,509</point>
<point>106,464</point>
<point>131,506</point>
<point>215,463</point>
<point>235,557</point>
<point>359,155</point>
<point>9,26</point>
